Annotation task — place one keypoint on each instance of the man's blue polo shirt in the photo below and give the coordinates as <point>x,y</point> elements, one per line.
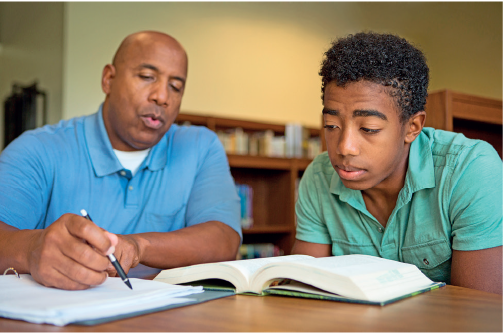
<point>185,180</point>
<point>451,199</point>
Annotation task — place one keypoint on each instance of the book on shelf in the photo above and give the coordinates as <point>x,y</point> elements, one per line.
<point>296,143</point>
<point>349,278</point>
<point>245,193</point>
<point>261,250</point>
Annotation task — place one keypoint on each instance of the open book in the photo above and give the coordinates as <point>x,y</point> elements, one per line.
<point>352,278</point>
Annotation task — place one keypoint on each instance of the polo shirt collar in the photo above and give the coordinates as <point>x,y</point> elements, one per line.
<point>420,175</point>
<point>103,158</point>
<point>158,156</point>
<point>420,172</point>
<point>350,196</point>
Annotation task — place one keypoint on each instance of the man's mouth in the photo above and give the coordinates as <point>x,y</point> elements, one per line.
<point>151,121</point>
<point>349,173</point>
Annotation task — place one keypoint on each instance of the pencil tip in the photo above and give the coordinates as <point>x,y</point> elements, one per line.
<point>128,284</point>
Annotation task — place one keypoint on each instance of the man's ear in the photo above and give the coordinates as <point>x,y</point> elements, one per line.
<point>107,77</point>
<point>414,126</point>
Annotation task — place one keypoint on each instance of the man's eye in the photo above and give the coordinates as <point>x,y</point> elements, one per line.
<point>175,88</point>
<point>146,77</point>
<point>370,131</point>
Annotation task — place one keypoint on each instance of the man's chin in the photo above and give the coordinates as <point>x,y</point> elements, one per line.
<point>144,144</point>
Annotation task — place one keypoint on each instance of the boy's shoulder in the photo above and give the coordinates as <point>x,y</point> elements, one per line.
<point>454,149</point>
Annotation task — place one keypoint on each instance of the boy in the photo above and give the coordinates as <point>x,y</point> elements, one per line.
<point>386,186</point>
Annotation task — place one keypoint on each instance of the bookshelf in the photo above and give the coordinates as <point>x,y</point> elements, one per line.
<point>474,116</point>
<point>273,180</point>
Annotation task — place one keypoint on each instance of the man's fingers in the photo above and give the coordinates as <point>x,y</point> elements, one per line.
<point>80,273</point>
<point>114,239</point>
<point>84,254</point>
<point>58,278</point>
<point>94,235</point>
<point>111,271</point>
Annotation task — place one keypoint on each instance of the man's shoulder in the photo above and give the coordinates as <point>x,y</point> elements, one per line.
<point>192,140</point>
<point>61,129</point>
<point>192,131</point>
<point>61,134</point>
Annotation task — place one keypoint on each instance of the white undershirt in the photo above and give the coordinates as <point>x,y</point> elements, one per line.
<point>131,160</point>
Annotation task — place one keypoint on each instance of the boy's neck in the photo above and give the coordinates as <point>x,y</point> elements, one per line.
<point>380,201</point>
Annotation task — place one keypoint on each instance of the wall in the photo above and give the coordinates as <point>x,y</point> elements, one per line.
<point>260,60</point>
<point>461,40</point>
<point>255,61</point>
<point>31,36</point>
<point>246,60</point>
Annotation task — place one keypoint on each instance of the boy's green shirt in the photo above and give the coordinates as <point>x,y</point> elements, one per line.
<point>452,199</point>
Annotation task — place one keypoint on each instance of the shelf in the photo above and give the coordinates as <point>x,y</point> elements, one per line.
<point>268,229</point>
<point>444,106</point>
<point>476,108</point>
<point>217,122</point>
<point>474,116</point>
<point>272,179</point>
<point>260,162</point>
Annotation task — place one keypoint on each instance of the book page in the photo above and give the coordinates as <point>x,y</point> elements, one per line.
<point>356,276</point>
<point>238,272</point>
<point>352,265</point>
<point>250,266</point>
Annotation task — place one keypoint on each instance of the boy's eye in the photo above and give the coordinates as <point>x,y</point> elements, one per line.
<point>370,131</point>
<point>330,126</point>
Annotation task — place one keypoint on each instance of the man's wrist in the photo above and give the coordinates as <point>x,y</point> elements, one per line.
<point>16,248</point>
<point>141,244</point>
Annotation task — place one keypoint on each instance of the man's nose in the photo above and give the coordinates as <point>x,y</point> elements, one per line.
<point>348,143</point>
<point>160,94</point>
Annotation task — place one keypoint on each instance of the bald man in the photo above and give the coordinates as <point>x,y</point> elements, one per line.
<point>159,194</point>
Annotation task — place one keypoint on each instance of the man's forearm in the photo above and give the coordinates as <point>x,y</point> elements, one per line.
<point>207,242</point>
<point>14,246</point>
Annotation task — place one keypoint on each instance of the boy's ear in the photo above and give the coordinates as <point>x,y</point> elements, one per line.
<point>414,126</point>
<point>107,77</point>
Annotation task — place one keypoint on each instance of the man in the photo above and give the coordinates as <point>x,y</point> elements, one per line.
<point>389,187</point>
<point>159,194</point>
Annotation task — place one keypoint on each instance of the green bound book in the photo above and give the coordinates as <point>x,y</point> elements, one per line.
<point>348,278</point>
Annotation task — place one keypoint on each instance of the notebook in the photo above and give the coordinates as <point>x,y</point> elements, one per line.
<point>24,299</point>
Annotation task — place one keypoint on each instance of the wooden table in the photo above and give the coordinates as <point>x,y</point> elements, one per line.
<point>450,309</point>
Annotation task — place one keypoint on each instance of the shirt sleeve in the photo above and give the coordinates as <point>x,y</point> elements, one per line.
<point>476,202</point>
<point>24,178</point>
<point>310,227</point>
<point>213,196</point>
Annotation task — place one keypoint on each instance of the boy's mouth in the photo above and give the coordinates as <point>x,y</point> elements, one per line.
<point>349,173</point>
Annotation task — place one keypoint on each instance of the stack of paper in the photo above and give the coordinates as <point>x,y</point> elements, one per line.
<point>27,300</point>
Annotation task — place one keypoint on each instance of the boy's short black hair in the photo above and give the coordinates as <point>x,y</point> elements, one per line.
<point>384,59</point>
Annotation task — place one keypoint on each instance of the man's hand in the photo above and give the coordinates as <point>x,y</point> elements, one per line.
<point>70,253</point>
<point>127,252</point>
